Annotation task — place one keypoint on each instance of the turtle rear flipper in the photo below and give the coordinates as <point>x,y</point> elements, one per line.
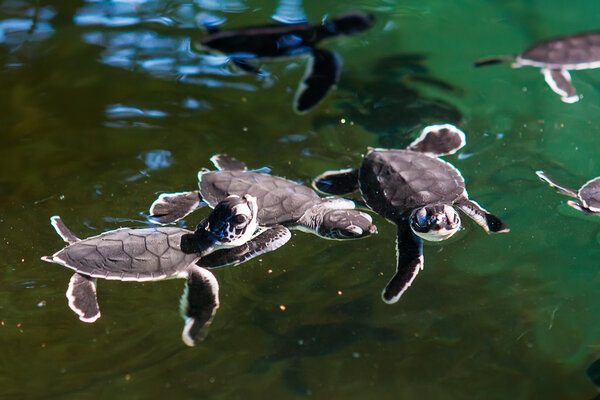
<point>171,207</point>
<point>322,73</point>
<point>62,230</point>
<point>439,140</point>
<point>559,81</point>
<point>337,182</point>
<point>268,240</point>
<point>409,257</point>
<point>245,65</point>
<point>562,189</point>
<point>224,162</point>
<point>489,222</point>
<point>82,297</point>
<point>199,304</point>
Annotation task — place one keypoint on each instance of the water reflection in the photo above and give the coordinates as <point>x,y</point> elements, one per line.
<point>21,22</point>
<point>388,100</point>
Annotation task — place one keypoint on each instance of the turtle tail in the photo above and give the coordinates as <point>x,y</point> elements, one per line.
<point>484,62</point>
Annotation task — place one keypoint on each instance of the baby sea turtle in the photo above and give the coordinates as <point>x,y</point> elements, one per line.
<point>415,190</point>
<point>278,41</point>
<point>588,194</point>
<point>556,57</point>
<point>151,254</point>
<point>282,203</point>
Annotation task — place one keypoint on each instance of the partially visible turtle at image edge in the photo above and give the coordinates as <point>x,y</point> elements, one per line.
<point>290,40</point>
<point>588,194</point>
<point>152,254</point>
<point>282,203</point>
<point>556,57</point>
<point>417,191</point>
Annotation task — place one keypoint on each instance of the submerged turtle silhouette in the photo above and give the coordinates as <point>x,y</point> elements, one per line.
<point>588,194</point>
<point>417,191</point>
<point>282,203</point>
<point>151,254</point>
<point>556,57</point>
<point>277,41</point>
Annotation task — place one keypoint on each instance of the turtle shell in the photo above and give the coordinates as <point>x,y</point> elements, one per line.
<point>129,254</point>
<point>266,41</point>
<point>393,182</point>
<point>567,52</point>
<point>279,200</point>
<point>589,194</point>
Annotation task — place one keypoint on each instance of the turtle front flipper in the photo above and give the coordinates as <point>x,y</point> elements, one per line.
<point>268,240</point>
<point>82,297</point>
<point>171,207</point>
<point>409,255</point>
<point>562,189</point>
<point>559,81</point>
<point>224,162</point>
<point>199,304</point>
<point>481,216</point>
<point>337,182</point>
<point>322,73</point>
<point>439,140</point>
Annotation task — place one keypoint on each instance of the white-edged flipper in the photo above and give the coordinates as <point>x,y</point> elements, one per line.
<point>224,162</point>
<point>337,182</point>
<point>268,240</point>
<point>559,81</point>
<point>82,297</point>
<point>171,207</point>
<point>199,304</point>
<point>322,74</point>
<point>562,189</point>
<point>62,230</point>
<point>489,222</point>
<point>409,256</point>
<point>439,140</point>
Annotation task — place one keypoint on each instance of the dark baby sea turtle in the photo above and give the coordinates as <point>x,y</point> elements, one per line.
<point>151,254</point>
<point>417,191</point>
<point>556,57</point>
<point>588,194</point>
<point>282,203</point>
<point>279,41</point>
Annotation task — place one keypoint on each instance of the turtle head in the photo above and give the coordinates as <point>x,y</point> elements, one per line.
<point>233,221</point>
<point>349,23</point>
<point>435,222</point>
<point>346,224</point>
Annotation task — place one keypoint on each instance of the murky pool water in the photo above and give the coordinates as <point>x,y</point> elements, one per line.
<point>106,104</point>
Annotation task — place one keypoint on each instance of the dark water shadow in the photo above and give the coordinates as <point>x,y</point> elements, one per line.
<point>389,101</point>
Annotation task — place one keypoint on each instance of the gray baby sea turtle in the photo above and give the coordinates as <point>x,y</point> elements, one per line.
<point>588,194</point>
<point>151,254</point>
<point>556,57</point>
<point>417,191</point>
<point>290,40</point>
<point>282,203</point>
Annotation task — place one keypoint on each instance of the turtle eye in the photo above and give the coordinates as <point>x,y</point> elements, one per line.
<point>421,217</point>
<point>239,219</point>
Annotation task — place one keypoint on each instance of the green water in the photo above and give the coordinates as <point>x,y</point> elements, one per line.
<point>104,106</point>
